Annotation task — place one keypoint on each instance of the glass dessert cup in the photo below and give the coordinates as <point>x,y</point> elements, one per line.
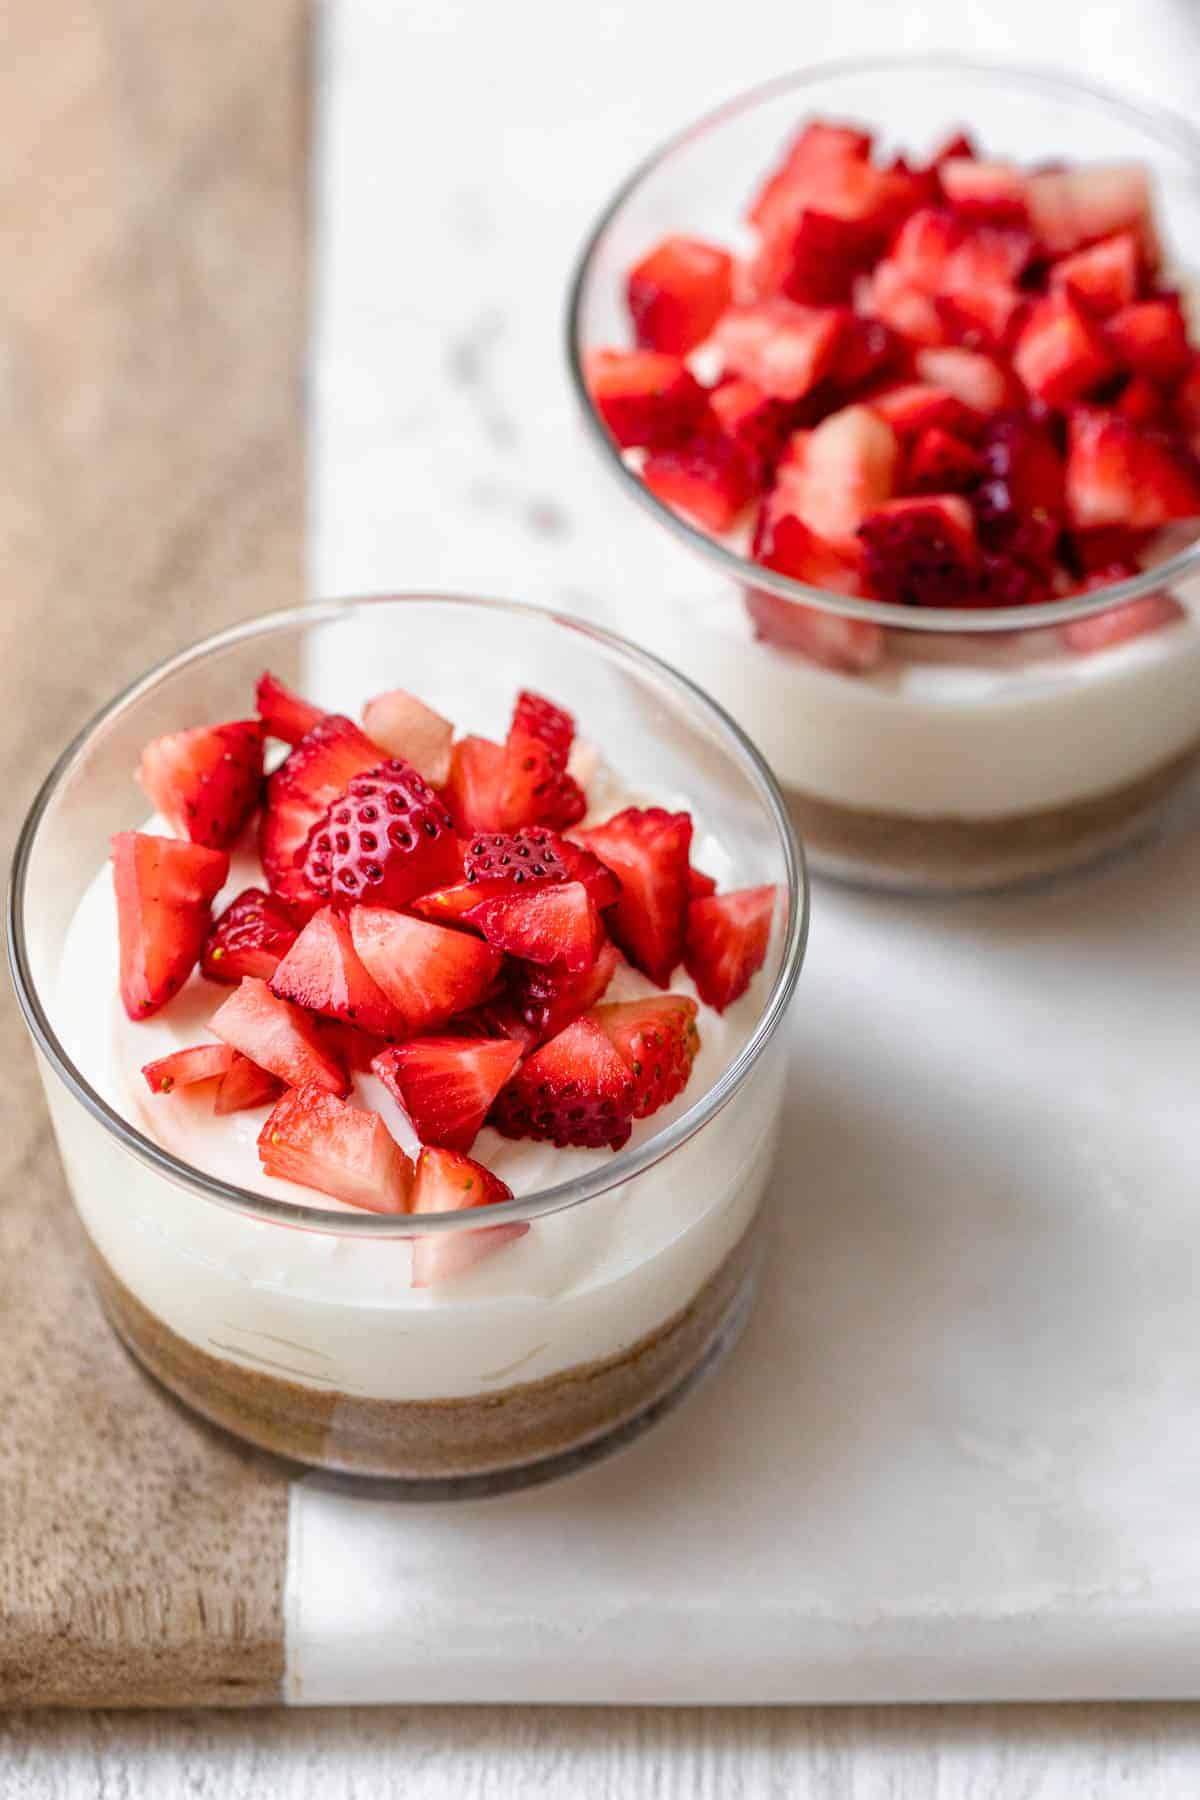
<point>297,1327</point>
<point>983,748</point>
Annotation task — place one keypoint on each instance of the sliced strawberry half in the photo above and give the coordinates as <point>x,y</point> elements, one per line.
<point>278,1036</point>
<point>784,348</point>
<point>206,782</point>
<point>164,891</point>
<point>202,1062</point>
<point>677,293</point>
<point>646,399</point>
<point>322,1142</point>
<point>473,792</point>
<point>284,714</point>
<point>384,840</point>
<point>575,1090</point>
<point>1120,474</point>
<point>543,998</point>
<point>648,849</point>
<point>727,938</point>
<point>556,923</point>
<point>323,973</point>
<point>447,1182</point>
<point>427,972</point>
<point>447,1085</point>
<point>248,938</point>
<point>245,1085</point>
<point>657,1039</point>
<point>303,787</point>
<point>412,732</point>
<point>922,552</point>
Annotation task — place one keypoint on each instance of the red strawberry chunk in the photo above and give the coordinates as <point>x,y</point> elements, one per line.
<point>535,787</point>
<point>325,1143</point>
<point>245,1085</point>
<point>1104,277</point>
<point>786,544</point>
<point>574,1090</point>
<point>323,973</point>
<point>427,972</point>
<point>813,257</point>
<point>206,782</point>
<point>657,1040</point>
<point>994,191</point>
<point>317,772</point>
<point>940,463</point>
<point>447,1085</point>
<point>816,151</point>
<point>1134,619</point>
<point>782,347</point>
<point>678,292</point>
<point>700,885</point>
<point>473,792</point>
<point>411,732</point>
<point>1121,474</point>
<point>284,714</point>
<point>754,423</point>
<point>1061,354</point>
<point>544,998</point>
<point>922,552</point>
<point>645,398</point>
<point>202,1062</point>
<point>836,474</point>
<point>555,923</point>
<point>1150,338</point>
<point>727,938</point>
<point>1143,402</point>
<point>383,841</point>
<point>447,1181</point>
<point>278,1036</point>
<point>535,716</point>
<point>707,479</point>
<point>164,891</point>
<point>911,407</point>
<point>895,297</point>
<point>248,938</point>
<point>987,319</point>
<point>648,849</point>
<point>515,859</point>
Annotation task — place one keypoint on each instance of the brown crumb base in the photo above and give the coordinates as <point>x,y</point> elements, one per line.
<point>890,849</point>
<point>434,1439</point>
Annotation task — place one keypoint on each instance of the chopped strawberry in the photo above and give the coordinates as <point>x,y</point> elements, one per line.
<point>976,380</point>
<point>206,782</point>
<point>1061,354</point>
<point>323,973</point>
<point>384,840</point>
<point>1072,207</point>
<point>1121,474</point>
<point>923,248</point>
<point>1150,338</point>
<point>502,861</point>
<point>700,885</point>
<point>850,645</point>
<point>838,473</point>
<point>164,890</point>
<point>535,786</point>
<point>957,145</point>
<point>472,794</point>
<point>1021,503</point>
<point>284,715</point>
<point>986,320</point>
<point>891,294</point>
<point>427,972</point>
<point>412,732</point>
<point>819,148</point>
<point>555,923</point>
<point>657,1040</point>
<point>278,1036</point>
<point>707,480</point>
<point>245,1085</point>
<point>727,937</point>
<point>202,1062</point>
<point>447,1085</point>
<point>645,398</point>
<point>678,292</point>
<point>1104,277</point>
<point>1142,402</point>
<point>785,543</point>
<point>1121,623</point>
<point>535,716</point>
<point>922,552</point>
<point>574,1090</point>
<point>782,347</point>
<point>325,1143</point>
<point>248,938</point>
<point>866,350</point>
<point>940,463</point>
<point>911,407</point>
<point>450,1182</point>
<point>317,772</point>
<point>546,997</point>
<point>994,191</point>
<point>754,423</point>
<point>813,257</point>
<point>648,849</point>
<point>1187,402</point>
<point>1109,553</point>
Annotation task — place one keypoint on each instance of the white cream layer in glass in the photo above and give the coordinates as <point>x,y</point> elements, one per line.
<point>341,1313</point>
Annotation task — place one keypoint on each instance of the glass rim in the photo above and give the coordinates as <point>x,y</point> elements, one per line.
<point>624,1164</point>
<point>1170,127</point>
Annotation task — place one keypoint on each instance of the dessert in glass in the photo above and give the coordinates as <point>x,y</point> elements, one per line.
<point>414,1056</point>
<point>901,350</point>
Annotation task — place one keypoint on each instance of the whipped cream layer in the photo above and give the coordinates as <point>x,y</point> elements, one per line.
<point>340,1313</point>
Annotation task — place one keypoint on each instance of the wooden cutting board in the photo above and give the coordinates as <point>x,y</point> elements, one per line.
<point>153,170</point>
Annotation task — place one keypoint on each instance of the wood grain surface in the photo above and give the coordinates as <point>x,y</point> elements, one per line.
<point>152,182</point>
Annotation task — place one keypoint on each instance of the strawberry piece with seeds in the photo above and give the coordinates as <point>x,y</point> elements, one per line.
<point>278,1036</point>
<point>535,786</point>
<point>575,1090</point>
<point>1120,474</point>
<point>678,292</point>
<point>411,732</point>
<point>555,923</point>
<point>646,399</point>
<point>428,973</point>
<point>727,938</point>
<point>648,850</point>
<point>384,840</point>
<point>244,1085</point>
<point>446,1182</point>
<point>535,716</point>
<point>284,714</point>
<point>206,782</point>
<point>473,792</point>
<point>248,938</point>
<point>922,552</point>
<point>323,973</point>
<point>183,1068</point>
<point>782,347</point>
<point>658,1041</point>
<point>544,998</point>
<point>707,479</point>
<point>299,793</point>
<point>322,1142</point>
<point>447,1085</point>
<point>164,891</point>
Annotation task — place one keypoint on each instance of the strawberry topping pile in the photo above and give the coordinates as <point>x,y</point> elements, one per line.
<point>423,921</point>
<point>958,384</point>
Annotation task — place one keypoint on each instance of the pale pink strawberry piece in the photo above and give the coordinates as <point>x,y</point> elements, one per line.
<point>1069,208</point>
<point>182,1068</point>
<point>244,1085</point>
<point>449,1182</point>
<point>784,348</point>
<point>314,1138</point>
<point>1150,338</point>
<point>1119,474</point>
<point>248,938</point>
<point>648,849</point>
<point>727,938</point>
<point>995,191</point>
<point>1105,277</point>
<point>428,973</point>
<point>646,399</point>
<point>923,551</point>
<point>164,891</point>
<point>575,1090</point>
<point>205,782</point>
<point>323,973</point>
<point>848,645</point>
<point>557,923</point>
<point>839,472</point>
<point>1061,354</point>
<point>976,380</point>
<point>677,293</point>
<point>284,714</point>
<point>473,793</point>
<point>278,1036</point>
<point>383,841</point>
<point>707,479</point>
<point>411,731</point>
<point>447,1085</point>
<point>657,1039</point>
<point>1134,619</point>
<point>303,787</point>
<point>892,295</point>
